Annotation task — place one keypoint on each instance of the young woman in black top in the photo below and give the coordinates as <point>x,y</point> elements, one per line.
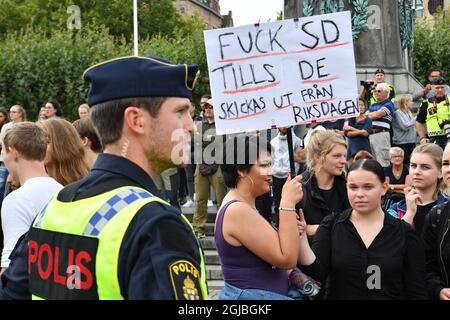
<point>367,253</point>
<point>324,183</point>
<point>424,193</point>
<point>436,237</point>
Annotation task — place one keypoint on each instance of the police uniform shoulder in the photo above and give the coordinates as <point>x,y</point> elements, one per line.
<point>155,211</point>
<point>159,230</point>
<point>165,222</point>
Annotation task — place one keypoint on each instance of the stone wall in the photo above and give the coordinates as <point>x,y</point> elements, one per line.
<point>379,47</point>
<point>209,13</point>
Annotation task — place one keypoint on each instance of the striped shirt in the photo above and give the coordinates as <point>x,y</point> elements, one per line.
<point>384,122</point>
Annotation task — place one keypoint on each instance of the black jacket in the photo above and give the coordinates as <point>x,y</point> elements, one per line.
<point>313,204</point>
<point>436,237</point>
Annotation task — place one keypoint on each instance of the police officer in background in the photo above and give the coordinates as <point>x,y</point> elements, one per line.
<point>110,235</point>
<point>434,112</point>
<point>380,77</point>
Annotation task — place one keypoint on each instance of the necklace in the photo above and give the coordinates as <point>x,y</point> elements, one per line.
<point>397,174</point>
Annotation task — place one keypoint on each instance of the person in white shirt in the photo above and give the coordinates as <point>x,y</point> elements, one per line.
<point>280,161</point>
<point>24,158</point>
<point>312,127</point>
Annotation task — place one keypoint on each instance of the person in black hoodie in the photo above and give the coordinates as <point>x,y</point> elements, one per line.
<point>324,182</point>
<point>436,237</point>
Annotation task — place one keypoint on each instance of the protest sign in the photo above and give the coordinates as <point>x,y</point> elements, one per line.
<point>282,73</point>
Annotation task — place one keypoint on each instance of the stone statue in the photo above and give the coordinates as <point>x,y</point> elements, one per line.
<point>382,32</point>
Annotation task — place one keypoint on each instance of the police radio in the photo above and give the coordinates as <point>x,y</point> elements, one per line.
<point>445,125</point>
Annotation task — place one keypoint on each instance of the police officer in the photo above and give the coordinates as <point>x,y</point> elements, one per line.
<point>110,235</point>
<point>380,77</point>
<point>434,112</point>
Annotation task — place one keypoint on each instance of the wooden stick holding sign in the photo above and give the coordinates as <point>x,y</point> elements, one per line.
<point>291,152</point>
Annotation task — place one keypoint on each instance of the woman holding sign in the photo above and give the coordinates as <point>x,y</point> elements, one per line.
<point>254,255</point>
<point>324,186</point>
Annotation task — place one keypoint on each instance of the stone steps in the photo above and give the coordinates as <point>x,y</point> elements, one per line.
<point>208,243</point>
<point>189,213</point>
<point>211,257</point>
<point>215,284</point>
<point>214,272</point>
<point>214,275</point>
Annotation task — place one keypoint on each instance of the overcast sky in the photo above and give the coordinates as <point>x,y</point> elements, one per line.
<point>251,11</point>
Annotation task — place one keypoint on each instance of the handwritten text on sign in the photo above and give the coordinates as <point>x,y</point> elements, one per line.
<point>282,73</point>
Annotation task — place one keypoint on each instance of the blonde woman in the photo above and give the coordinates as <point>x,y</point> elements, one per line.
<point>437,242</point>
<point>404,126</point>
<point>424,192</point>
<point>397,173</point>
<point>17,114</point>
<point>324,184</point>
<point>64,159</point>
<point>84,111</point>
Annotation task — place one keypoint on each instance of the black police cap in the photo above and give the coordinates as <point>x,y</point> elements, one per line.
<point>438,81</point>
<point>379,71</point>
<point>132,77</point>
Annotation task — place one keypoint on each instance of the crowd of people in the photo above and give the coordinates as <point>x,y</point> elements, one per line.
<point>366,215</point>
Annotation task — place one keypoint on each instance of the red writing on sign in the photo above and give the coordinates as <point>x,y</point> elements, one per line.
<point>50,268</point>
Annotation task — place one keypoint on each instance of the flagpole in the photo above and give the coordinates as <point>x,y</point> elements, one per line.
<point>135,22</point>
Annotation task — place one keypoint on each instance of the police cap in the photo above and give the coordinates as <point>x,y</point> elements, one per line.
<point>379,71</point>
<point>438,81</point>
<point>147,76</point>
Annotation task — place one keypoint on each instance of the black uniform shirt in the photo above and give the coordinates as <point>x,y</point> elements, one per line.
<point>393,267</point>
<point>156,238</point>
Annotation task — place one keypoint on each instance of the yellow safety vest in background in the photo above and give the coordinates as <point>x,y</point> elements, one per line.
<point>436,113</point>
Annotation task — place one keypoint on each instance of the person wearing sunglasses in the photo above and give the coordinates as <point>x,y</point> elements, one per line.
<point>381,114</point>
<point>379,77</point>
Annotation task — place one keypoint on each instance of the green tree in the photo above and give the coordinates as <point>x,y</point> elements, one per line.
<point>35,67</point>
<point>432,46</point>
<point>155,16</point>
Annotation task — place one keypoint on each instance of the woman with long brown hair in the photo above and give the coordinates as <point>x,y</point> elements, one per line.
<point>425,190</point>
<point>64,159</point>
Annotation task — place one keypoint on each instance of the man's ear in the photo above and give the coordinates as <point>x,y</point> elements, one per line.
<point>133,119</point>
<point>13,152</point>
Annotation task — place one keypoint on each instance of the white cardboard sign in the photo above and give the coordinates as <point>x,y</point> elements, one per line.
<point>282,73</point>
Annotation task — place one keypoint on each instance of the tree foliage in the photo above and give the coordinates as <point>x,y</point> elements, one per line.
<point>155,16</point>
<point>36,67</point>
<point>432,46</point>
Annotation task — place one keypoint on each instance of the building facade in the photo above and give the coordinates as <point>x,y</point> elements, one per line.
<point>425,9</point>
<point>207,10</point>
